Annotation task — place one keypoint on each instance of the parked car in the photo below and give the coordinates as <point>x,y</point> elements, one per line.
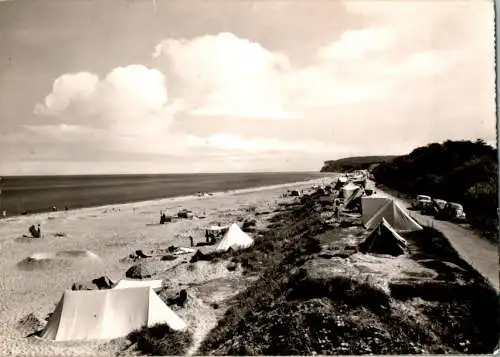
<point>436,206</point>
<point>439,205</point>
<point>452,212</point>
<point>420,201</point>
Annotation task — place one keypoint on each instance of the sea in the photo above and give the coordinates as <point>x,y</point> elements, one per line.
<point>36,194</point>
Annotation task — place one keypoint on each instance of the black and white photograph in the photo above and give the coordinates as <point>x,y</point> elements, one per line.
<point>248,178</point>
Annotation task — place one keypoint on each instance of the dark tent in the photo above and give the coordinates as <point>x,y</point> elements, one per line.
<point>384,240</point>
<point>104,282</point>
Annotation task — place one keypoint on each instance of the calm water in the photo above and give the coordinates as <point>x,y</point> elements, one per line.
<point>39,193</point>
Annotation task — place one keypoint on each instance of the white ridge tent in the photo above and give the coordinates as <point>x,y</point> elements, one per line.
<point>371,204</point>
<point>131,283</point>
<point>234,238</point>
<point>384,240</point>
<point>218,228</point>
<point>357,194</point>
<point>107,314</point>
<point>349,190</point>
<point>397,217</point>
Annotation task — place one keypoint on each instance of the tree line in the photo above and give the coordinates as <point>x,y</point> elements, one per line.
<point>354,163</point>
<point>465,172</point>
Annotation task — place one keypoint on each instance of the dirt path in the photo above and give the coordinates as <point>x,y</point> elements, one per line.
<point>480,253</point>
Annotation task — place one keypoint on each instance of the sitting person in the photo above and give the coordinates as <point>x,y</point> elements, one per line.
<point>35,233</point>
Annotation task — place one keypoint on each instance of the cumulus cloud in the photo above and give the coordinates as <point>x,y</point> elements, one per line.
<point>125,91</point>
<point>129,106</point>
<point>355,44</point>
<point>69,90</point>
<point>227,75</point>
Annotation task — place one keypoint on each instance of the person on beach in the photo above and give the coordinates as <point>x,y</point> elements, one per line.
<point>35,232</point>
<point>339,209</point>
<point>163,218</point>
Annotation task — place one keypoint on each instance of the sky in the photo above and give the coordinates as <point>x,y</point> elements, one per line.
<point>174,86</point>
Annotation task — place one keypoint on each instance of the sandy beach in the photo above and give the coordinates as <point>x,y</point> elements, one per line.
<point>112,233</point>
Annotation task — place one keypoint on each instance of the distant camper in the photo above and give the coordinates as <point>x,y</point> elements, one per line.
<point>35,232</point>
<point>163,218</point>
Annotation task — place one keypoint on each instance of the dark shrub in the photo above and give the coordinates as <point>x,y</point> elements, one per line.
<point>161,340</point>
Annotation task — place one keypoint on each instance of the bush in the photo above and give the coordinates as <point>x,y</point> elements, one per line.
<point>339,288</point>
<point>161,340</point>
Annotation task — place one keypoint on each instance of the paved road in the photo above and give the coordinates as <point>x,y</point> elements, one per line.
<point>480,253</point>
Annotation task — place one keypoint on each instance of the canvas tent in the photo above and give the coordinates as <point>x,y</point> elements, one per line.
<point>234,238</point>
<point>341,181</point>
<point>396,216</point>
<point>130,283</point>
<point>370,205</point>
<point>355,197</point>
<point>384,240</point>
<point>218,228</point>
<point>107,314</point>
<point>215,232</point>
<point>349,190</point>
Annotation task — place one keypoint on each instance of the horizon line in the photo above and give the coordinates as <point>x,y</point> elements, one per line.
<point>165,173</point>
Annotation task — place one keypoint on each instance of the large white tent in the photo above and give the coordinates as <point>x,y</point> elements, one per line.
<point>396,216</point>
<point>349,190</point>
<point>234,238</point>
<point>357,194</point>
<point>370,205</point>
<point>107,314</point>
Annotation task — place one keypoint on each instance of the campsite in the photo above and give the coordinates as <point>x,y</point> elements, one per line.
<point>332,266</point>
<point>231,178</point>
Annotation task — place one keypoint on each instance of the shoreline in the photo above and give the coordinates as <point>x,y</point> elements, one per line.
<point>161,200</point>
<point>32,196</point>
<point>156,201</point>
